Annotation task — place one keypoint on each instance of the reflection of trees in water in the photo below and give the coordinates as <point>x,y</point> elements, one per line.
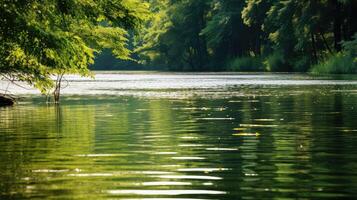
<point>41,138</point>
<point>147,135</point>
<point>285,160</point>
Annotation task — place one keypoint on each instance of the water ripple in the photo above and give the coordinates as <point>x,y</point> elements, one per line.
<point>164,192</point>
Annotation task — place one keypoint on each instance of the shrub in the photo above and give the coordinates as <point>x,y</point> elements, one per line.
<point>246,64</point>
<point>344,62</point>
<point>350,47</point>
<point>340,63</point>
<point>302,64</point>
<point>276,63</point>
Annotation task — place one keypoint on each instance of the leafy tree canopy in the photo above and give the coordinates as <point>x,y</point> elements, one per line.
<point>41,38</point>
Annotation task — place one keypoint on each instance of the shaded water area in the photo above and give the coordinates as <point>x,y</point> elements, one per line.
<point>176,136</point>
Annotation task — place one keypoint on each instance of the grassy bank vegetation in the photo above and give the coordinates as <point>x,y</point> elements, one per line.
<point>343,62</point>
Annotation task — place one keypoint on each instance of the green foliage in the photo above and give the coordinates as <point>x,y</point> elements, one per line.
<point>336,64</point>
<point>173,35</point>
<point>275,62</point>
<point>344,62</point>
<point>246,64</point>
<point>302,63</point>
<point>147,43</point>
<point>204,35</point>
<point>350,47</point>
<point>40,39</point>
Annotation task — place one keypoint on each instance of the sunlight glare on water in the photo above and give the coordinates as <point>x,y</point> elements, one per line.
<point>177,85</point>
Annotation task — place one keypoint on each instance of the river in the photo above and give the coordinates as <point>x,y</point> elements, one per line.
<point>136,135</point>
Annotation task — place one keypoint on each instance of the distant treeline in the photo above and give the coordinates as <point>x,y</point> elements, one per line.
<point>250,35</point>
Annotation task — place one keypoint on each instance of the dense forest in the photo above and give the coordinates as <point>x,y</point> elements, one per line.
<point>41,39</point>
<point>251,35</point>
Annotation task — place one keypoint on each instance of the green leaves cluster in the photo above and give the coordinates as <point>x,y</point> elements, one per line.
<point>287,35</point>
<point>40,39</point>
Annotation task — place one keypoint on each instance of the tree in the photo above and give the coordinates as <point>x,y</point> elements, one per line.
<point>42,39</point>
<point>227,35</point>
<point>302,32</point>
<point>174,38</point>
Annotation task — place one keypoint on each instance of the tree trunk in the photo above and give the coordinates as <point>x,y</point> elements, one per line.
<point>352,25</point>
<point>325,43</point>
<point>201,41</point>
<point>314,52</point>
<point>337,25</point>
<point>57,91</point>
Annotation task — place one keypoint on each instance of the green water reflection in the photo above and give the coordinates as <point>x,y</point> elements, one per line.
<point>280,145</point>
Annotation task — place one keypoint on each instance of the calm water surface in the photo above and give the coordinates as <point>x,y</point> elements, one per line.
<point>176,136</point>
